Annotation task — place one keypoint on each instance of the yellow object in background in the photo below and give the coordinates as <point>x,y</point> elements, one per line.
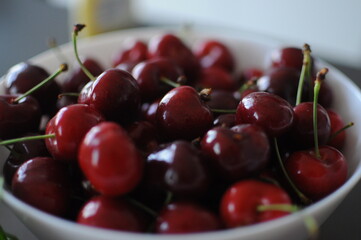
<point>100,16</point>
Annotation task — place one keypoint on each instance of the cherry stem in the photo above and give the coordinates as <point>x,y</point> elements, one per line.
<point>169,82</point>
<point>319,79</point>
<point>1,186</point>
<point>77,29</point>
<point>305,71</point>
<point>168,198</point>
<point>303,198</point>
<point>143,207</point>
<point>63,67</point>
<point>205,94</point>
<point>340,130</point>
<point>215,110</point>
<point>28,138</point>
<point>247,85</point>
<point>71,94</point>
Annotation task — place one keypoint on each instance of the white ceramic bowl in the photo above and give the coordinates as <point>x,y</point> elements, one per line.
<point>250,51</point>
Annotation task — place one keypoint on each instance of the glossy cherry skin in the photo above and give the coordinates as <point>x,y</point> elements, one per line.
<point>43,183</point>
<point>337,123</point>
<point>17,119</point>
<point>23,76</point>
<point>184,217</point>
<point>290,57</point>
<point>317,177</point>
<point>239,203</point>
<point>149,73</point>
<point>149,111</point>
<point>115,94</point>
<point>178,168</point>
<point>217,78</point>
<point>110,160</point>
<point>181,114</point>
<point>77,79</point>
<point>233,151</point>
<point>213,53</point>
<point>302,131</point>
<point>170,46</point>
<point>70,125</point>
<point>144,135</point>
<point>111,213</point>
<point>225,120</point>
<point>221,99</point>
<point>21,152</point>
<point>269,111</point>
<point>133,52</point>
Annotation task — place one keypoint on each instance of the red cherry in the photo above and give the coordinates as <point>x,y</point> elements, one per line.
<point>337,123</point>
<point>144,135</point>
<point>43,183</point>
<point>182,114</point>
<point>317,177</point>
<point>251,73</point>
<point>70,125</point>
<point>213,53</point>
<point>149,111</point>
<point>109,159</point>
<point>291,57</point>
<point>135,52</point>
<point>111,213</point>
<point>182,217</point>
<point>269,111</point>
<point>240,202</point>
<point>217,78</point>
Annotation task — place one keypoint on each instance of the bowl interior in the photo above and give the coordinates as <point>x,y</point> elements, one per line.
<point>250,51</point>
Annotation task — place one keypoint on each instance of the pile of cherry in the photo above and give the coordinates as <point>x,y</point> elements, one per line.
<point>172,139</point>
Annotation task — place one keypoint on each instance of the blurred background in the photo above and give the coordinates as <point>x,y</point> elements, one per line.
<point>330,27</point>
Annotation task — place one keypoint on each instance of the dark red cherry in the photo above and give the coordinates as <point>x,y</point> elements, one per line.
<point>24,76</point>
<point>115,94</point>
<point>290,57</point>
<point>325,98</point>
<point>21,152</point>
<point>303,132</point>
<point>77,79</point>
<point>110,160</point>
<point>184,217</point>
<point>182,114</point>
<point>233,151</point>
<point>239,205</point>
<point>149,74</point>
<point>17,119</point>
<point>132,52</point>
<point>314,176</point>
<point>170,46</point>
<point>225,120</point>
<point>337,123</point>
<point>112,213</point>
<point>269,111</point>
<point>70,125</point>
<point>213,53</point>
<point>223,100</point>
<point>178,168</point>
<point>149,111</point>
<point>43,183</point>
<point>144,135</point>
<point>217,78</point>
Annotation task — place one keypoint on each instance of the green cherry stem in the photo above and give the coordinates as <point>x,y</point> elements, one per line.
<point>29,138</point>
<point>247,85</point>
<point>340,130</point>
<point>305,71</point>
<point>63,67</point>
<point>169,82</point>
<point>77,29</point>
<point>302,197</point>
<point>145,208</point>
<point>319,79</point>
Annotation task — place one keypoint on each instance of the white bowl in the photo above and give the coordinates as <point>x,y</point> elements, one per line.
<point>250,51</point>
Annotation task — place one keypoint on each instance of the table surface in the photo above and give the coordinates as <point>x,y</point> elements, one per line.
<point>18,41</point>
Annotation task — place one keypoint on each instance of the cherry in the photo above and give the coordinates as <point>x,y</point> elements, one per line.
<point>223,100</point>
<point>18,118</point>
<point>115,94</point>
<point>77,79</point>
<point>132,53</point>
<point>178,168</point>
<point>150,73</point>
<point>267,110</point>
<point>239,204</point>
<point>217,78</point>
<point>290,57</point>
<point>225,120</point>
<point>181,114</point>
<point>337,139</point>
<point>149,111</point>
<point>251,73</point>
<point>184,217</point>
<point>69,126</point>
<point>144,136</point>
<point>213,53</point>
<point>109,159</point>
<point>111,213</point>
<point>317,176</point>
<point>24,76</point>
<point>232,150</point>
<point>170,46</point>
<point>21,152</point>
<point>43,183</point>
